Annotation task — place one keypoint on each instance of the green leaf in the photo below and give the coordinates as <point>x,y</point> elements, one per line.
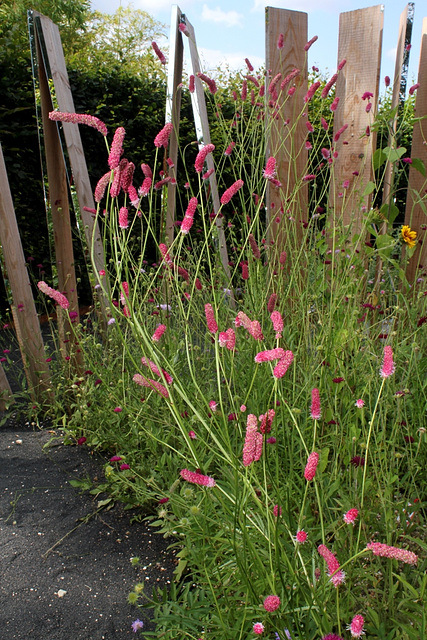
<point>103,503</point>
<point>324,455</point>
<point>389,211</point>
<point>419,165</point>
<point>370,187</point>
<point>394,154</point>
<point>385,245</point>
<point>378,159</point>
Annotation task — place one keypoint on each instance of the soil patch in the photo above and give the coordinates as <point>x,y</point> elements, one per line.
<point>66,567</point>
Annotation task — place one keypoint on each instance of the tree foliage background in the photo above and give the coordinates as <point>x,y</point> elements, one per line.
<point>113,74</point>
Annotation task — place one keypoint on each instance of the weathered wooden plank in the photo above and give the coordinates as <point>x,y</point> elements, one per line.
<point>6,395</point>
<point>414,215</point>
<point>395,100</point>
<point>25,315</point>
<point>49,32</point>
<point>60,212</point>
<point>173,112</point>
<point>285,139</point>
<point>359,43</point>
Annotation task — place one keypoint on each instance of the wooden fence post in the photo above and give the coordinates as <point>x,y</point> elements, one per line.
<point>59,205</point>
<point>359,43</point>
<point>24,311</point>
<point>285,141</point>
<point>173,111</point>
<point>415,216</point>
<point>48,34</point>
<point>6,396</point>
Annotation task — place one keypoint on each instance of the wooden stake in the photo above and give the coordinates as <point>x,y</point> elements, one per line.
<point>360,42</point>
<point>285,139</point>
<point>50,42</point>
<point>173,110</point>
<point>26,321</point>
<point>59,205</point>
<point>415,216</point>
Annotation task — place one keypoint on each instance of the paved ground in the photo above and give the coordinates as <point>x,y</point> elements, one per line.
<point>65,570</point>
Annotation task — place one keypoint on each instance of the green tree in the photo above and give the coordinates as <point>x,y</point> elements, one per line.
<point>121,40</point>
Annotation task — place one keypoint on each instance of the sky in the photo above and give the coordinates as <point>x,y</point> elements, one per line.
<point>228,31</point>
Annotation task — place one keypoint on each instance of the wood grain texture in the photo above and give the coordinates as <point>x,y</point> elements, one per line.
<point>60,212</point>
<point>286,131</point>
<point>389,169</point>
<point>414,215</point>
<point>24,311</point>
<point>173,114</point>
<point>49,31</point>
<point>360,44</point>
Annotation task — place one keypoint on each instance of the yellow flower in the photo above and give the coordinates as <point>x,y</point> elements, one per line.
<point>408,236</point>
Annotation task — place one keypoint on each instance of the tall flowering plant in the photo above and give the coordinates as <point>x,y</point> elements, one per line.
<point>254,410</point>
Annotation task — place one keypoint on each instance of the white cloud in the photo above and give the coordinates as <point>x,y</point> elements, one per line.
<point>227,18</point>
<point>211,59</point>
<point>391,53</point>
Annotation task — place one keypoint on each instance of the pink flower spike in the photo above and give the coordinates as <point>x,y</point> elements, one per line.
<point>268,356</point>
<point>197,478</point>
<point>270,168</point>
<point>356,626</point>
<point>387,81</point>
<point>337,576</point>
<point>191,86</point>
<point>258,628</point>
<point>79,118</point>
<point>251,445</point>
<point>280,41</point>
<point>151,384</point>
<point>213,405</point>
<point>359,403</point>
<point>116,150</point>
<point>329,85</point>
<point>315,410</point>
<point>340,131</point>
<point>283,365</point>
<point>386,551</point>
<point>210,319</point>
<point>55,295</point>
<point>351,516</point>
<point>158,53</point>
<point>311,466</point>
<point>310,42</point>
<point>414,88</point>
<point>162,138</point>
<point>277,320</point>
<point>271,302</point>
<point>301,536</point>
<point>271,603</point>
<point>123,218</point>
<point>248,64</point>
<point>158,332</point>
<point>229,149</point>
<point>209,81</point>
<point>388,367</point>
<point>255,249</point>
<point>334,104</point>
<point>155,369</point>
<point>231,191</point>
<point>201,156</point>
